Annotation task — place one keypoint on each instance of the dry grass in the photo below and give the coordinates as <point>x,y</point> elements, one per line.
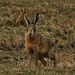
<point>56,22</point>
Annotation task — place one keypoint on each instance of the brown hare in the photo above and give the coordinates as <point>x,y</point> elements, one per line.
<point>38,45</point>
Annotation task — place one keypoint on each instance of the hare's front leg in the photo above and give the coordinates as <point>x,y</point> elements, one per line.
<point>36,59</point>
<point>30,59</point>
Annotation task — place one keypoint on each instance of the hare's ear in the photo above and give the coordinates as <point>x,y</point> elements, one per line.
<point>27,20</point>
<point>36,18</point>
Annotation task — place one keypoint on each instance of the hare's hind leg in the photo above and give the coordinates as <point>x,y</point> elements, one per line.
<point>43,61</point>
<point>55,61</point>
<point>53,58</point>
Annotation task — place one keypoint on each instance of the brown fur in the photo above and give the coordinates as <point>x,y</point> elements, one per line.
<point>39,46</point>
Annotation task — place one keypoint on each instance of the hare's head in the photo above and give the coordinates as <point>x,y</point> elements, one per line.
<point>31,28</point>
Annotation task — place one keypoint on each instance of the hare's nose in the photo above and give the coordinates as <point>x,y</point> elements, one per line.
<point>30,35</point>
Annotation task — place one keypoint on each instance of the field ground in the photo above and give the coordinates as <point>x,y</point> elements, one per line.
<point>56,22</point>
